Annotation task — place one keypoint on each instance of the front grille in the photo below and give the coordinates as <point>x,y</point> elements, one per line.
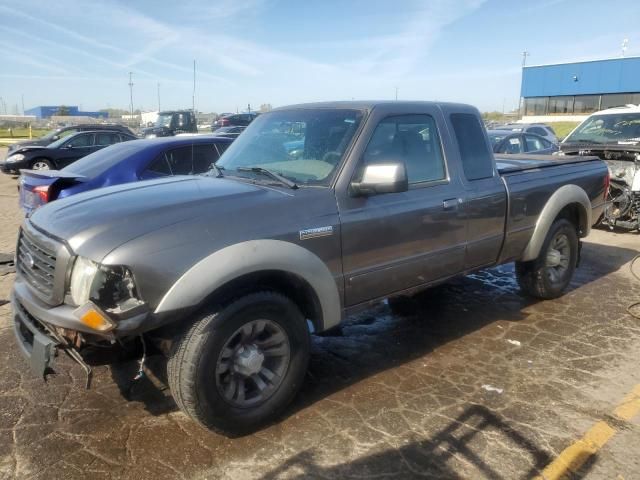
<point>37,264</point>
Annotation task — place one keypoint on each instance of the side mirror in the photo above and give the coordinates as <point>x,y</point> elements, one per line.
<point>55,137</point>
<point>381,178</point>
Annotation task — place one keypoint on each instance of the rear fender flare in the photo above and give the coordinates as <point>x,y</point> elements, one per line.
<point>229,263</point>
<point>565,195</point>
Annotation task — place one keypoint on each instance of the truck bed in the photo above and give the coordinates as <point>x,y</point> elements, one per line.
<point>522,162</point>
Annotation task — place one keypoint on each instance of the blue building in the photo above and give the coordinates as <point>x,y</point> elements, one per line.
<point>73,111</point>
<point>580,88</point>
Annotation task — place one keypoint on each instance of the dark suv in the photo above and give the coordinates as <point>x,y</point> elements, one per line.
<point>237,119</point>
<point>59,133</point>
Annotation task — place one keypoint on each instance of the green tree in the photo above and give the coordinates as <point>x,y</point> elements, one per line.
<point>62,111</point>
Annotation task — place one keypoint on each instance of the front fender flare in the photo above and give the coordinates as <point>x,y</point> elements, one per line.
<point>229,263</point>
<point>564,196</point>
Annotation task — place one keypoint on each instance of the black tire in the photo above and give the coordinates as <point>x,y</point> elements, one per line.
<point>540,280</point>
<point>196,355</point>
<point>42,164</point>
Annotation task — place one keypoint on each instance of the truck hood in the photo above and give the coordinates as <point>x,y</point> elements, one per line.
<point>95,223</point>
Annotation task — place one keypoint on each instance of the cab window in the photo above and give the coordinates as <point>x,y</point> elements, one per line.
<point>412,139</point>
<point>477,161</point>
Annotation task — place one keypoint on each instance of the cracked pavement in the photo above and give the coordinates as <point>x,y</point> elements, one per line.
<point>476,382</point>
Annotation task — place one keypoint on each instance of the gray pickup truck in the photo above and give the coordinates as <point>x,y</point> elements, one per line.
<point>315,211</point>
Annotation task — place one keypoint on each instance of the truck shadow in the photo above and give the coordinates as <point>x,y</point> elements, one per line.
<point>376,339</point>
<point>461,440</point>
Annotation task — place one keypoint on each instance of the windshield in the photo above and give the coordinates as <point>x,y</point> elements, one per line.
<point>98,162</point>
<point>164,120</point>
<point>607,129</point>
<point>304,145</point>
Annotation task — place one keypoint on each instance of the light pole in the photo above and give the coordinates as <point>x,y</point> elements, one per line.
<point>193,98</point>
<point>625,44</point>
<point>131,93</point>
<point>525,54</point>
<point>396,93</point>
<point>158,97</point>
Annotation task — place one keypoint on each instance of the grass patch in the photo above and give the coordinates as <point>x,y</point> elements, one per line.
<point>22,132</point>
<point>563,129</point>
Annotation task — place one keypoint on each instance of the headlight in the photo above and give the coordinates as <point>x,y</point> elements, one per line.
<point>111,287</point>
<point>15,158</point>
<point>82,276</point>
<point>151,135</point>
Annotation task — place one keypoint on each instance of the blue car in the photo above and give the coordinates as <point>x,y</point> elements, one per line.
<point>122,163</point>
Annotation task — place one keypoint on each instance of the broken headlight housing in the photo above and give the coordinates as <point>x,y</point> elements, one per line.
<point>111,287</point>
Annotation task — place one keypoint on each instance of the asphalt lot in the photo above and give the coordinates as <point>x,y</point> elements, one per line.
<point>478,383</point>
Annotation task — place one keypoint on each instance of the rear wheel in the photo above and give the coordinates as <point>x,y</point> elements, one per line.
<point>237,368</point>
<point>549,275</point>
<point>41,164</point>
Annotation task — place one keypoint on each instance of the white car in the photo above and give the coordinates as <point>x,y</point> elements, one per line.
<point>614,136</point>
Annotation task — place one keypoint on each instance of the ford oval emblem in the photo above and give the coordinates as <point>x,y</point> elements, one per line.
<point>28,259</point>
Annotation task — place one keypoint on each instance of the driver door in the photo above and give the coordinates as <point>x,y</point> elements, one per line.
<point>395,241</point>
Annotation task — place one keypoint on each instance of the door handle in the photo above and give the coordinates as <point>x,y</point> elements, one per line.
<point>451,203</point>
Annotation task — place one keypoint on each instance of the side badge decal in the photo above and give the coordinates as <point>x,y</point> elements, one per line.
<point>308,233</point>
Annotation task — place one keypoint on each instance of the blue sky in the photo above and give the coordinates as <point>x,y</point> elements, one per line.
<point>79,52</point>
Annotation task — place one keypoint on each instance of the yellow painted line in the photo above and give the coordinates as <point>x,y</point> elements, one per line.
<point>630,406</point>
<point>575,455</point>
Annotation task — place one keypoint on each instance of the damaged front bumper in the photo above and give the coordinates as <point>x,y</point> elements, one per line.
<point>40,344</point>
<point>38,347</point>
<point>43,331</point>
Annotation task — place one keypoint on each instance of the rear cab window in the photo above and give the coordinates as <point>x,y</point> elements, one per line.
<point>477,160</point>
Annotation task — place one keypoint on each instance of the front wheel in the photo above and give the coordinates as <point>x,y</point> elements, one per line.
<point>237,368</point>
<point>549,275</point>
<point>41,164</point>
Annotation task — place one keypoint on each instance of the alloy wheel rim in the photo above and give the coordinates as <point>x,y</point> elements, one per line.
<point>40,166</point>
<point>558,257</point>
<point>253,363</point>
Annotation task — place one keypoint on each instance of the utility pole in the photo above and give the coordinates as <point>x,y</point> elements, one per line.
<point>193,98</point>
<point>525,54</point>
<point>396,93</point>
<point>22,104</point>
<point>158,97</point>
<point>131,93</point>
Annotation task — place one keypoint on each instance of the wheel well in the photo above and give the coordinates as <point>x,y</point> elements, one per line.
<point>574,212</point>
<point>285,283</point>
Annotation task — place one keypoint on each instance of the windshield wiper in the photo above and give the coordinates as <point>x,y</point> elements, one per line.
<point>291,184</point>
